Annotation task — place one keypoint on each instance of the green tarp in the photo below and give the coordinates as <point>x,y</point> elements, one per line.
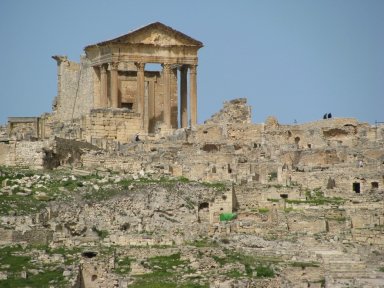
<point>227,216</point>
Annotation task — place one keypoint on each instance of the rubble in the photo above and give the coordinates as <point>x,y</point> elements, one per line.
<point>111,196</point>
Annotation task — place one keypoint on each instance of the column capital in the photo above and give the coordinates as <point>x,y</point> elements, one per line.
<point>103,69</point>
<point>193,68</point>
<point>140,66</point>
<point>183,68</point>
<point>113,65</point>
<point>166,67</point>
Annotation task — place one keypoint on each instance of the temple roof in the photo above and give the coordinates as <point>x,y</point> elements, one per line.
<point>156,34</point>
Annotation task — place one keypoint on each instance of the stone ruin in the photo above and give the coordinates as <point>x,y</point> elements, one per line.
<point>319,181</point>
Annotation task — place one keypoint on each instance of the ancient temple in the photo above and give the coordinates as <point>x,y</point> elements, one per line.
<point>141,82</point>
<point>123,81</point>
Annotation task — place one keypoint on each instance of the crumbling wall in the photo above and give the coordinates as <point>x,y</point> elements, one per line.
<point>65,152</point>
<point>4,153</point>
<point>117,124</point>
<point>234,111</point>
<point>23,154</point>
<point>75,88</point>
<point>23,128</point>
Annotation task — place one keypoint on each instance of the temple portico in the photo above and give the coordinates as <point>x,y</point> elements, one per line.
<point>159,97</point>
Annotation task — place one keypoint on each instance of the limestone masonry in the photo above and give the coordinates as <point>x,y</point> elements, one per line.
<point>124,177</point>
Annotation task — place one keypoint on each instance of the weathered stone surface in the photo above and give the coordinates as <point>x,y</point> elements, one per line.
<point>131,195</point>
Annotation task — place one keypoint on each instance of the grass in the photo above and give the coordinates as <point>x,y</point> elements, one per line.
<point>205,242</point>
<point>315,197</point>
<point>123,265</point>
<point>217,186</point>
<point>48,278</point>
<point>163,272</point>
<point>234,274</point>
<point>289,209</point>
<point>101,233</point>
<point>263,210</point>
<point>14,260</point>
<point>272,176</point>
<point>20,205</point>
<point>254,267</point>
<point>102,194</point>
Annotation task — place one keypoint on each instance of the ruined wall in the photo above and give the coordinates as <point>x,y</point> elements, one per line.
<point>114,124</point>
<point>24,128</point>
<point>65,152</point>
<point>234,111</point>
<point>23,154</point>
<point>75,88</point>
<point>4,153</point>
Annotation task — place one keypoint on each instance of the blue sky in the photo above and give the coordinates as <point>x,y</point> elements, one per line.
<point>294,59</point>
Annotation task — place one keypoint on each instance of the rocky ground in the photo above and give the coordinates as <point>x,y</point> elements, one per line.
<point>74,228</point>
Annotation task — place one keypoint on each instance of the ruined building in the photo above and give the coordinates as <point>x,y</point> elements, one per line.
<point>111,95</point>
<point>310,195</point>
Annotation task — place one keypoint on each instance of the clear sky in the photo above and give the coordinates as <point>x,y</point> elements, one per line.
<point>294,59</point>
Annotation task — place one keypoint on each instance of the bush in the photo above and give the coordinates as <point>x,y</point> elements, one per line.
<point>263,210</point>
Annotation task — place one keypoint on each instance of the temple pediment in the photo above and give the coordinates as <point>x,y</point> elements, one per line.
<point>156,34</point>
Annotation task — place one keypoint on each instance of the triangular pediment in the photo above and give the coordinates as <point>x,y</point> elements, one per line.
<point>156,34</point>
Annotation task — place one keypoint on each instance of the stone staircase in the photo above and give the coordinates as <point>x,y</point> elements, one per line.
<point>342,269</point>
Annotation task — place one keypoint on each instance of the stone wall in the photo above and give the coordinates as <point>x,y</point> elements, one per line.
<point>234,111</point>
<point>75,88</point>
<point>23,154</point>
<point>24,128</point>
<point>65,152</point>
<point>4,154</point>
<point>120,125</point>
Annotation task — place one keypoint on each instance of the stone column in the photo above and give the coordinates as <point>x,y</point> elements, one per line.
<point>103,101</point>
<point>140,91</point>
<point>167,95</point>
<point>114,84</point>
<point>193,94</point>
<point>183,96</point>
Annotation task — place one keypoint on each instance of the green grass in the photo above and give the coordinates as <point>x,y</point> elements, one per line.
<point>14,260</point>
<point>48,278</point>
<point>219,186</point>
<point>20,205</point>
<point>205,242</point>
<point>163,273</point>
<point>263,210</point>
<point>264,271</point>
<point>318,201</point>
<point>273,176</point>
<point>101,233</point>
<point>123,265</point>
<point>234,274</point>
<point>289,209</point>
<point>262,266</point>
<point>316,197</point>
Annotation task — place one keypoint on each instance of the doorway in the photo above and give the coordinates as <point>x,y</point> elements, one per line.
<point>356,187</point>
